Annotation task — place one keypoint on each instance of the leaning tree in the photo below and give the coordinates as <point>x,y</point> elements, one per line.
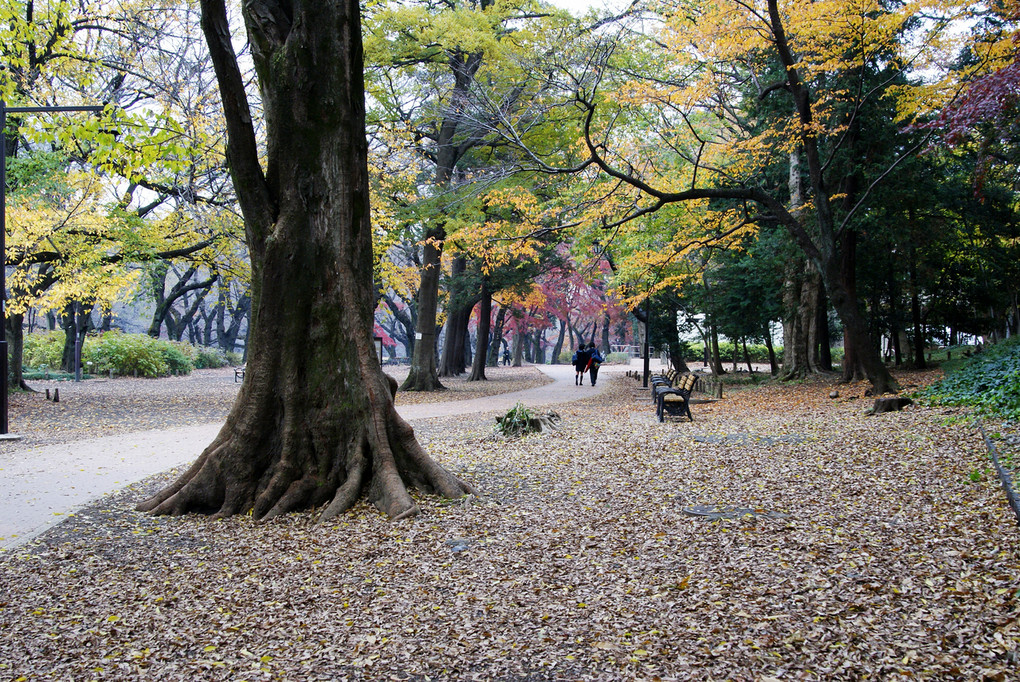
<point>314,421</point>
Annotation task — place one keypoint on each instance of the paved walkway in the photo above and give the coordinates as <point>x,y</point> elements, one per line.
<point>39,487</point>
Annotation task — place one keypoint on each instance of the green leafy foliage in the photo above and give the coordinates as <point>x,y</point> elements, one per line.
<point>43,351</point>
<point>989,381</point>
<point>205,357</point>
<point>759,352</point>
<point>516,422</point>
<point>124,354</point>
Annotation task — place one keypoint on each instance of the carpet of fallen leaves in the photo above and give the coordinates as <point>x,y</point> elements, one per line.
<point>103,407</point>
<point>866,551</point>
<point>498,380</point>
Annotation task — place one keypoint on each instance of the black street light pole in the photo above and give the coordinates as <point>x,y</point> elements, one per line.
<point>4,421</point>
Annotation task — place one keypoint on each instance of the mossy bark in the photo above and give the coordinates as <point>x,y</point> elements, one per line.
<point>314,423</point>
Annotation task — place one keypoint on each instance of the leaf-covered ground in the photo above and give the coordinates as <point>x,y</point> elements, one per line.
<point>102,407</point>
<point>869,552</point>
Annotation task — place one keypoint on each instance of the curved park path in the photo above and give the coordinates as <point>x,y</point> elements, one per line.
<point>40,486</point>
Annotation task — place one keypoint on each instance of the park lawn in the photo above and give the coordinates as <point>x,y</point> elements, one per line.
<point>870,552</point>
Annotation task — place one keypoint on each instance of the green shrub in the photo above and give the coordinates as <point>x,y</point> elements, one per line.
<point>43,350</point>
<point>564,357</point>
<point>759,352</point>
<point>207,357</point>
<point>177,356</point>
<point>618,358</point>
<point>515,422</point>
<point>235,359</point>
<point>126,354</point>
<point>989,382</point>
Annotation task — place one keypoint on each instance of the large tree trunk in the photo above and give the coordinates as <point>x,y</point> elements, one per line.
<point>824,246</point>
<point>76,320</point>
<point>314,422</point>
<point>853,363</point>
<point>424,374</point>
<point>454,359</point>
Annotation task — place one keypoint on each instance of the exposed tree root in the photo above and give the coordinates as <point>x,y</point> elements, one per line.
<point>380,458</point>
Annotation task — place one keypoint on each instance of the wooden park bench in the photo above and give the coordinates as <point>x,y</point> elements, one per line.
<point>666,379</point>
<point>675,398</point>
<point>238,374</point>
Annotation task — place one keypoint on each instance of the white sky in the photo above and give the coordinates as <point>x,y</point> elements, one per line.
<point>579,7</point>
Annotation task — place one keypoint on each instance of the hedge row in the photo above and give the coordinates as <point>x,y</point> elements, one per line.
<point>124,354</point>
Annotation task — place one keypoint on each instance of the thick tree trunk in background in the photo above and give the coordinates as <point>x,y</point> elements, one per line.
<point>227,334</point>
<point>773,365</point>
<point>497,339</point>
<point>452,362</point>
<point>484,317</point>
<point>810,296</point>
<point>76,321</point>
<point>794,367</point>
<point>822,244</point>
<point>518,349</point>
<point>424,374</point>
<point>165,301</point>
<point>853,364</point>
<point>915,298</point>
<point>16,349</point>
<point>822,333</point>
<point>714,358</point>
<point>406,319</point>
<point>605,335</point>
<point>539,353</point>
<point>560,338</point>
<point>314,421</point>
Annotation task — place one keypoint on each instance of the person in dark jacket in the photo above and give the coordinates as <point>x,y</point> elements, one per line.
<point>580,362</point>
<point>594,360</point>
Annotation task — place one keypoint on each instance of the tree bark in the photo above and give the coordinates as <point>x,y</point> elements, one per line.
<point>484,318</point>
<point>715,359</point>
<point>497,339</point>
<point>853,364</point>
<point>424,373</point>
<point>314,422</point>
<point>915,297</point>
<point>461,302</point>
<point>227,333</point>
<point>773,365</point>
<point>560,338</point>
<point>16,345</point>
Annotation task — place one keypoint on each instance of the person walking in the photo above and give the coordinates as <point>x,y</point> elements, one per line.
<point>594,360</point>
<point>580,362</point>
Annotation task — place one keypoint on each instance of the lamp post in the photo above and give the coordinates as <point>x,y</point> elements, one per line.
<point>4,109</point>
